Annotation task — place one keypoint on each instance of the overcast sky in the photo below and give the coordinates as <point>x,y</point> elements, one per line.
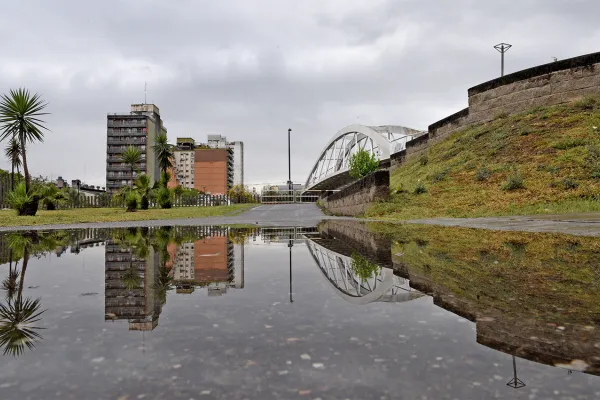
<point>251,69</point>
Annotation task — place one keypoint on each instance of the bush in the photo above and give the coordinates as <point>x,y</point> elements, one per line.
<point>131,201</point>
<point>514,181</point>
<point>483,174</point>
<point>440,175</point>
<point>424,160</point>
<point>569,184</point>
<point>593,158</point>
<point>588,103</point>
<point>18,199</point>
<point>363,268</point>
<point>568,144</point>
<point>420,188</point>
<point>165,197</point>
<point>362,163</point>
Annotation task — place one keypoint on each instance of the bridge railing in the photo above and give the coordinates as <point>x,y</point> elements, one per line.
<point>287,197</point>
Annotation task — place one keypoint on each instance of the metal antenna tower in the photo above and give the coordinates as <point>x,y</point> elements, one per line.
<point>502,48</point>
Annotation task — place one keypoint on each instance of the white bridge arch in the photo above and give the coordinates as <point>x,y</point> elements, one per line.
<point>331,169</point>
<point>383,286</point>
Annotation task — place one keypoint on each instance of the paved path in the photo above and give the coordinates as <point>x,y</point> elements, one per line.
<point>581,224</point>
<point>263,215</point>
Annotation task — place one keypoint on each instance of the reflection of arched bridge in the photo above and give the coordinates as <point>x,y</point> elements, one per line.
<point>337,268</point>
<point>331,169</point>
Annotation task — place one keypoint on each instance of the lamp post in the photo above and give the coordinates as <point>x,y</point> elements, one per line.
<point>515,382</point>
<point>502,48</point>
<point>289,182</point>
<point>290,244</point>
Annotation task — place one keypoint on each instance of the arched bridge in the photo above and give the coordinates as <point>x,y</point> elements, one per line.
<point>336,267</point>
<point>331,169</point>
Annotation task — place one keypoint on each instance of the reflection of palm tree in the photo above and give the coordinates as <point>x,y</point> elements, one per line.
<point>16,330</point>
<point>17,317</point>
<point>131,279</point>
<point>163,283</point>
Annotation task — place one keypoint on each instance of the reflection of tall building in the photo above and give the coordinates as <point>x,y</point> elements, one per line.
<point>213,262</point>
<point>129,287</point>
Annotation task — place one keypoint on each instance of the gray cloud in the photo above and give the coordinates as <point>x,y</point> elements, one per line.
<point>250,70</point>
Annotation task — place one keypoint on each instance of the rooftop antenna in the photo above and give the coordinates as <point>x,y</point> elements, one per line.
<point>145,91</point>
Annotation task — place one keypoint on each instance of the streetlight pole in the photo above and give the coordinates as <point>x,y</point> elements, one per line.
<point>290,244</point>
<point>289,182</point>
<point>502,48</point>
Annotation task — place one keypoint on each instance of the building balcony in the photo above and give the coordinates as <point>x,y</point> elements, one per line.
<point>123,176</point>
<point>128,132</point>
<point>134,141</point>
<point>126,123</point>
<point>118,168</point>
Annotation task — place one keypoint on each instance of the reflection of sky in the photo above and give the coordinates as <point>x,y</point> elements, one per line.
<point>251,343</point>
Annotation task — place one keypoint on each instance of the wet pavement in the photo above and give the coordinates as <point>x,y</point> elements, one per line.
<point>347,310</point>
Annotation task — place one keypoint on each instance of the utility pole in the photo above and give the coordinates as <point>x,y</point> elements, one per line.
<point>502,48</point>
<point>289,182</point>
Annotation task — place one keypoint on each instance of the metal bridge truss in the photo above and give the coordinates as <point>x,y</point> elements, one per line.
<point>381,141</point>
<point>383,287</point>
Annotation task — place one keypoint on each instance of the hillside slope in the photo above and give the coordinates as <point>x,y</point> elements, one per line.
<point>554,151</point>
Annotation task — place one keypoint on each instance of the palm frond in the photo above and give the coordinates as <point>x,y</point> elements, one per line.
<point>16,325</point>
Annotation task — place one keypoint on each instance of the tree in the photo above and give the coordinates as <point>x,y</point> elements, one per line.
<point>164,153</point>
<point>13,152</point>
<point>143,187</point>
<point>20,113</point>
<point>131,156</point>
<point>362,163</point>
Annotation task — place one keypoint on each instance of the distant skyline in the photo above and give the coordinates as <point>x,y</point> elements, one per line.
<point>251,70</point>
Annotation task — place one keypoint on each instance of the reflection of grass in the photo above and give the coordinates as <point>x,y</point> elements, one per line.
<point>545,147</point>
<point>363,268</point>
<point>81,215</point>
<point>549,276</point>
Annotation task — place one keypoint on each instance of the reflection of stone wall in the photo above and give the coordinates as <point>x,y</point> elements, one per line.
<point>514,333</point>
<point>356,236</point>
<point>354,199</point>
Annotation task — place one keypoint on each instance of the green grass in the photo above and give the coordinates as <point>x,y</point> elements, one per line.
<point>82,215</point>
<point>465,174</point>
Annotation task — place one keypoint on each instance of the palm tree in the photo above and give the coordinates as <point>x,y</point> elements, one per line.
<point>131,156</point>
<point>164,154</point>
<point>13,152</point>
<point>143,187</point>
<point>20,113</point>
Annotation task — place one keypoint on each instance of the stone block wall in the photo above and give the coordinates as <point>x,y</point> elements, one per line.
<point>354,199</point>
<point>545,85</point>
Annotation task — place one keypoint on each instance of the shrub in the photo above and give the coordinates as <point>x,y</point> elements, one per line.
<point>593,158</point>
<point>588,103</point>
<point>362,163</point>
<point>423,160</point>
<point>420,188</point>
<point>363,268</point>
<point>568,144</point>
<point>440,175</point>
<point>19,198</point>
<point>513,181</point>
<point>483,174</point>
<point>131,201</point>
<point>569,184</point>
<point>165,197</point>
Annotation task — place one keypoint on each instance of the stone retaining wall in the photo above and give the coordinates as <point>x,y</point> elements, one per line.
<point>354,199</point>
<point>545,85</point>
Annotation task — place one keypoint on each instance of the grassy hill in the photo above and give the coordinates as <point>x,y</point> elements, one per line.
<point>546,160</point>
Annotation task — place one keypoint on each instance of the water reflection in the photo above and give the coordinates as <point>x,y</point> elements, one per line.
<point>532,297</point>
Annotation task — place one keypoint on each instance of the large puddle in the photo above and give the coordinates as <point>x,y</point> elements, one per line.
<point>339,311</point>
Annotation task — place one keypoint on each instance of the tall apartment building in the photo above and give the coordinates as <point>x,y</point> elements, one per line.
<point>220,142</point>
<point>201,167</point>
<point>139,306</point>
<point>137,128</point>
<point>213,262</point>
